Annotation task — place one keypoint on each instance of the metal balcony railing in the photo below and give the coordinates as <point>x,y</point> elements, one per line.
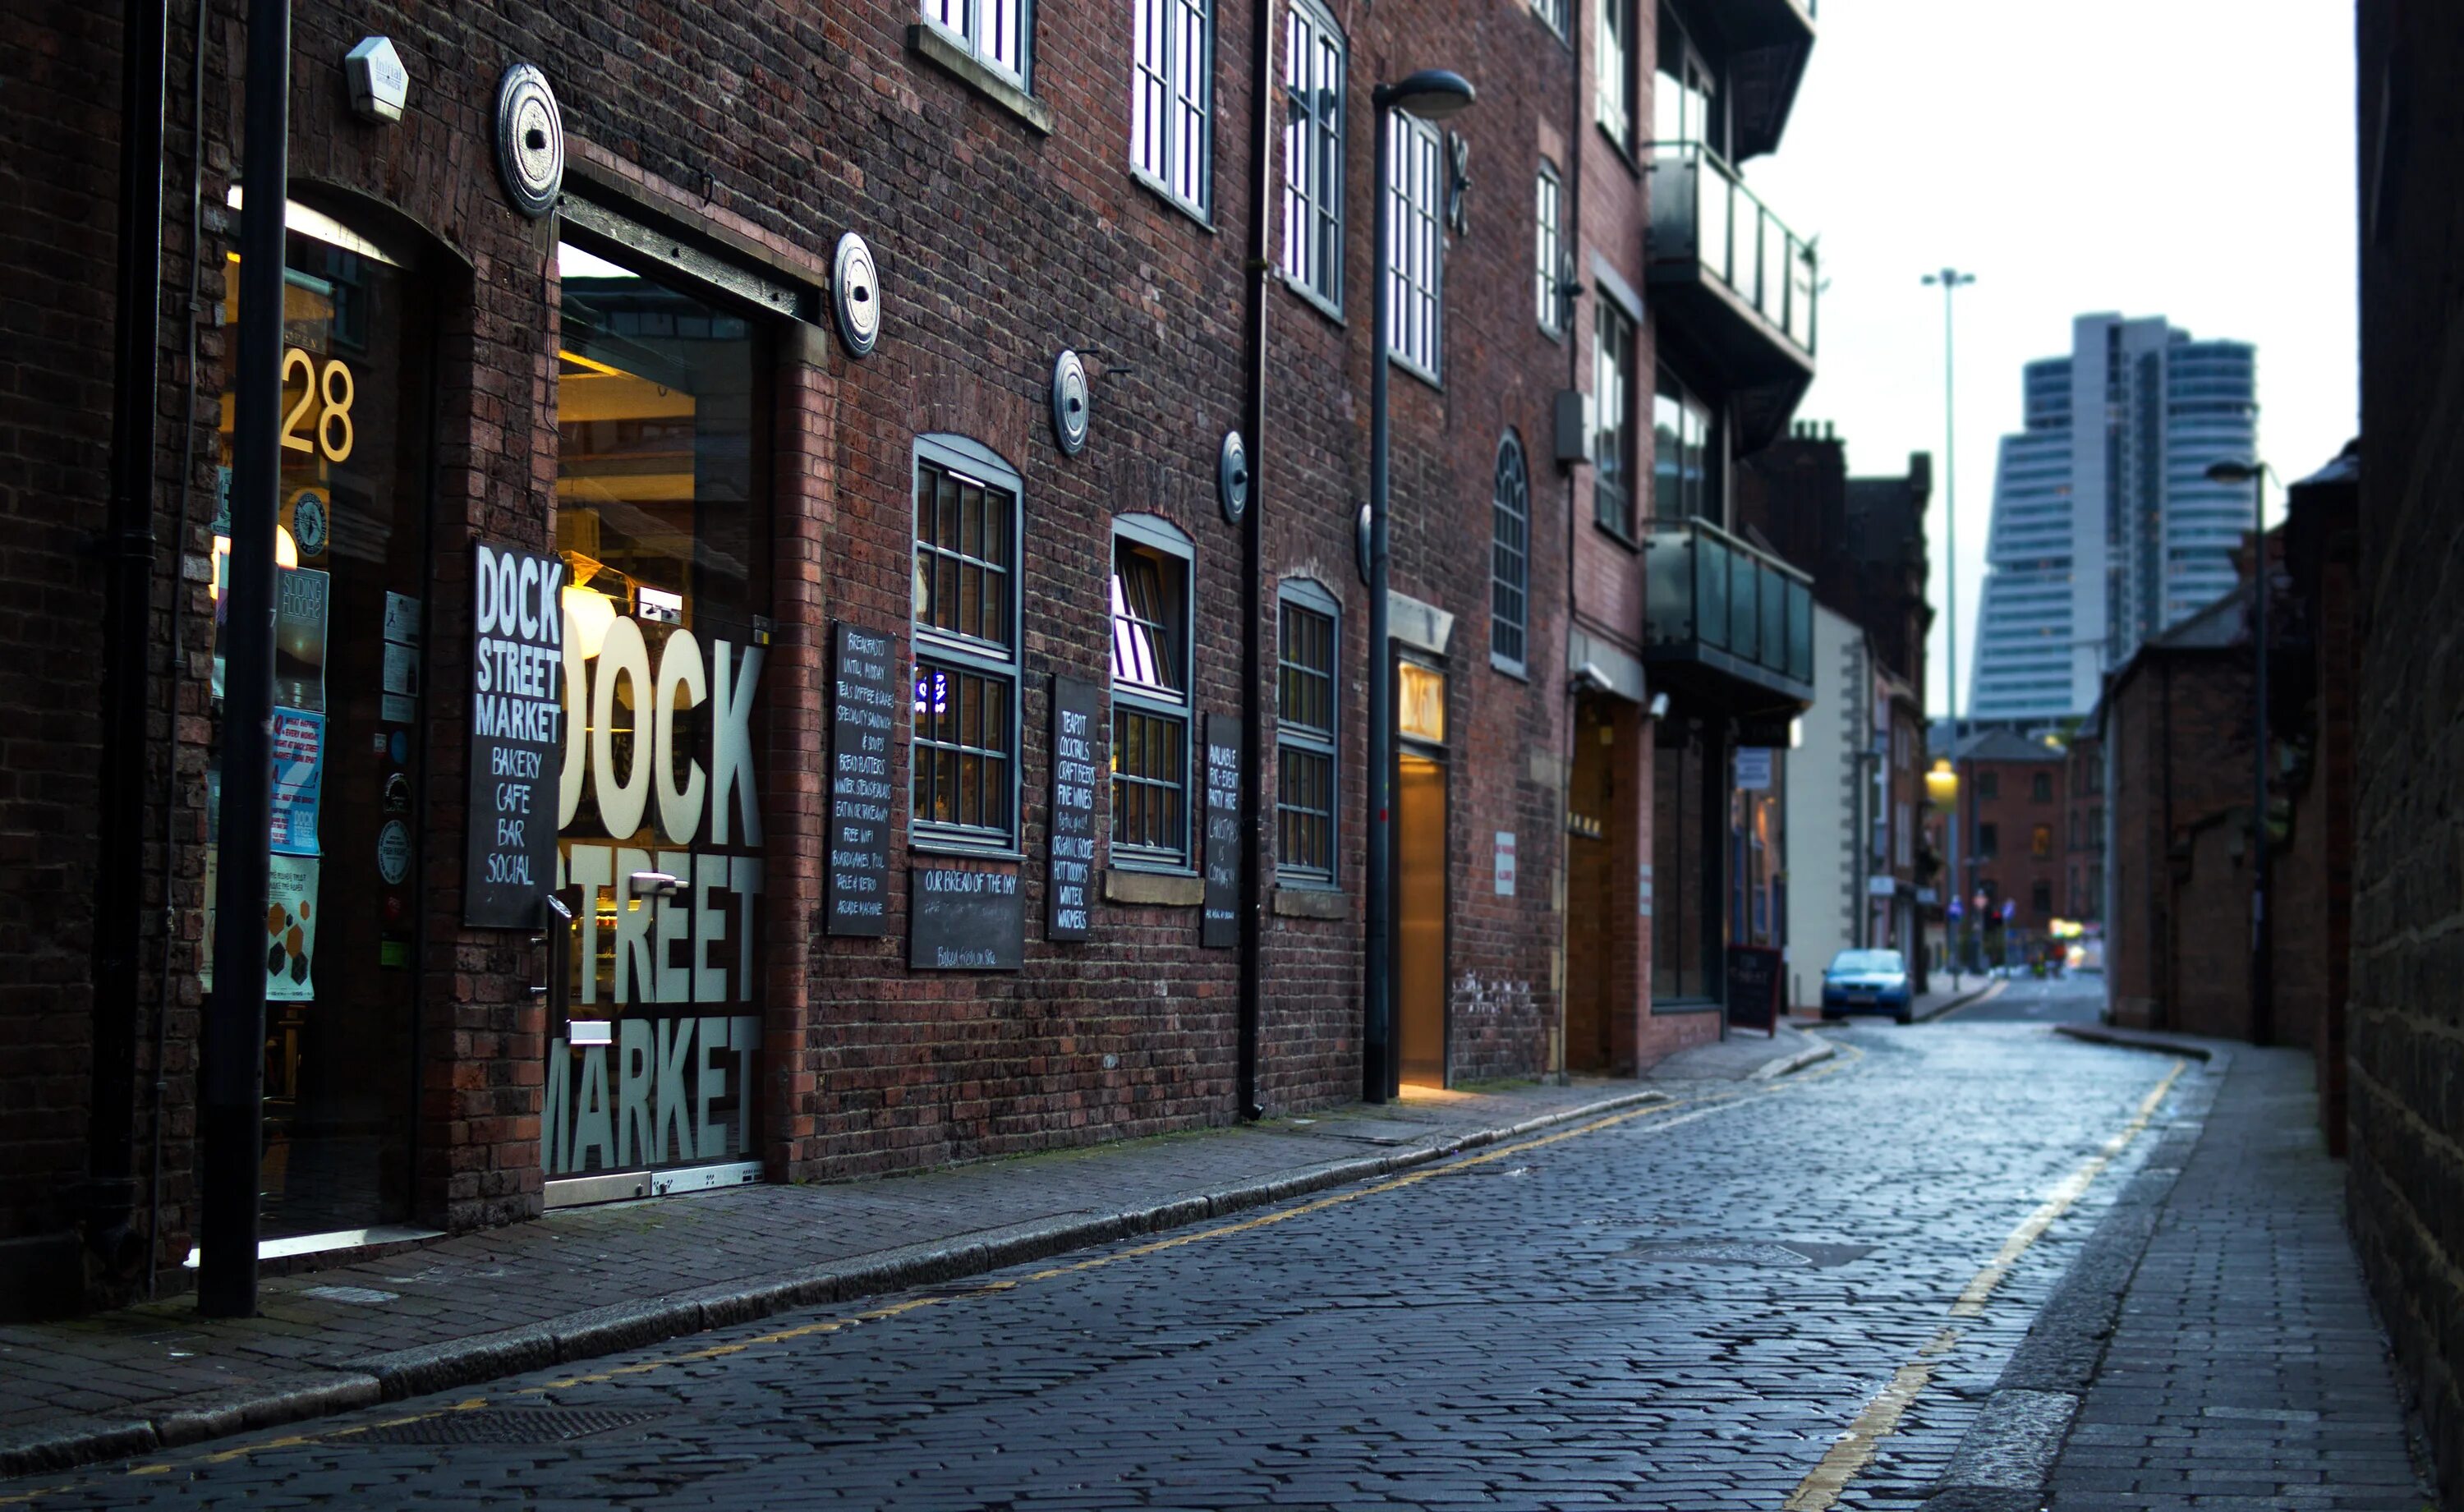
<point>1702,215</point>
<point>1712,598</point>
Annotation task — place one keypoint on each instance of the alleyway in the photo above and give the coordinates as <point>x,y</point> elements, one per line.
<point>1795,1293</point>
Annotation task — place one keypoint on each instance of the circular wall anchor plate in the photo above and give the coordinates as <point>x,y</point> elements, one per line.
<point>1232,476</point>
<point>530,139</point>
<point>855,294</point>
<point>1069,402</point>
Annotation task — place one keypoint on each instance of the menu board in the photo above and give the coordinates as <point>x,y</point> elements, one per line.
<point>1220,926</point>
<point>965,921</point>
<point>1754,987</point>
<point>517,710</point>
<point>1077,723</point>
<point>863,710</point>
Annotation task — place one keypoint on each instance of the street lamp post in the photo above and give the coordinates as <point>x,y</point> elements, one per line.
<point>1951,279</point>
<point>2262,996</point>
<point>1432,94</point>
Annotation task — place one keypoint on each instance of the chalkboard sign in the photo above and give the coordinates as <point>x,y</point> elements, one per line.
<point>964,921</point>
<point>1221,925</point>
<point>1077,737</point>
<point>1753,988</point>
<point>864,802</point>
<point>517,732</point>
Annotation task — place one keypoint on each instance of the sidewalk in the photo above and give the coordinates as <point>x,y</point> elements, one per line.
<point>594,1281</point>
<point>2215,1346</point>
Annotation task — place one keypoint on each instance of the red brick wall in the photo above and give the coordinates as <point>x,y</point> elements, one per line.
<point>2016,812</point>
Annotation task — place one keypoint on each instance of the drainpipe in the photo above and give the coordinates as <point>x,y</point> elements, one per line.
<point>111,1149</point>
<point>1572,242</point>
<point>1255,836</point>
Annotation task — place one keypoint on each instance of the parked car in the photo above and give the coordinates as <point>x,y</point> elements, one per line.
<point>1868,981</point>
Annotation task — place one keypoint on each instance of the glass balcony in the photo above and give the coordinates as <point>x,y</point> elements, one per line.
<point>1729,623</point>
<point>1736,282</point>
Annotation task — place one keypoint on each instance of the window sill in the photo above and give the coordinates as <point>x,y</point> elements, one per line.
<point>1169,889</point>
<point>1682,1005</point>
<point>1619,536</point>
<point>1301,901</point>
<point>933,45</point>
<point>1398,360</point>
<point>1311,297</point>
<point>1163,191</point>
<point>936,846</point>
<point>1624,153</point>
<point>1520,672</point>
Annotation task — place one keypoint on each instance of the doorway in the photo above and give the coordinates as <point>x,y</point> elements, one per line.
<point>1420,917</point>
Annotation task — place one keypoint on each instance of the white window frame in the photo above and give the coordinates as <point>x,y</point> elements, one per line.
<point>971,462</point>
<point>1613,94</point>
<point>1548,248</point>
<point>1315,65</point>
<point>1161,538</point>
<point>1616,337</point>
<point>1509,562</point>
<point>1172,99</point>
<point>1325,743</point>
<point>998,33</point>
<point>1414,252</point>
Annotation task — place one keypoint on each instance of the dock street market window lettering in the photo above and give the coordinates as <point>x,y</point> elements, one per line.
<point>1414,259</point>
<point>963,750</point>
<point>1305,744</point>
<point>1314,82</point>
<point>1150,808</point>
<point>663,527</point>
<point>1171,97</point>
<point>995,31</point>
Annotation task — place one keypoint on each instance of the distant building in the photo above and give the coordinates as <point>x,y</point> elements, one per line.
<point>2015,807</point>
<point>2106,528</point>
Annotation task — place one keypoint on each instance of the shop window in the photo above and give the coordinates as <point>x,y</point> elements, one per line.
<point>663,521</point>
<point>1510,557</point>
<point>1314,82</point>
<point>1415,265</point>
<point>345,877</point>
<point>964,756</point>
<point>1151,702</point>
<point>995,31</point>
<point>1171,97</point>
<point>1613,429</point>
<point>1304,748</point>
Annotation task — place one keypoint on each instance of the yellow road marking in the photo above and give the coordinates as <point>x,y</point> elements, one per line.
<point>1704,1105</point>
<point>1880,1418</point>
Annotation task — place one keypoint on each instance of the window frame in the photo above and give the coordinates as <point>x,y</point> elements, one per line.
<point>979,464</point>
<point>1620,127</point>
<point>1177,108</point>
<point>1615,333</point>
<point>1409,222</point>
<point>1552,14</point>
<point>1311,596</point>
<point>969,33</point>
<point>1549,278</point>
<point>1515,662</point>
<point>1707,499</point>
<point>1154,534</point>
<point>1313,180</point>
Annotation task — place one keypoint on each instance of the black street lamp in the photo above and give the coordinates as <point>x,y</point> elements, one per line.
<point>1432,94</point>
<point>2263,997</point>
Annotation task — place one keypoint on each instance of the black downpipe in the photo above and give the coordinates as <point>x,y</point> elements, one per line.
<point>232,1115</point>
<point>1254,833</point>
<point>118,934</point>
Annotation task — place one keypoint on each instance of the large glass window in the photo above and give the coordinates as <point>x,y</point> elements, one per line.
<point>964,756</point>
<point>1549,250</point>
<point>1304,749</point>
<point>1171,94</point>
<point>1612,429</point>
<point>995,31</point>
<point>1510,555</point>
<point>348,729</point>
<point>663,520</point>
<point>1686,481</point>
<point>1151,702</point>
<point>1685,97</point>
<point>1414,258</point>
<point>1614,88</point>
<point>1313,153</point>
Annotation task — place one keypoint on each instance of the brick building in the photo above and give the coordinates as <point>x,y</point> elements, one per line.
<point>2014,804</point>
<point>2406,1055</point>
<point>805,438</point>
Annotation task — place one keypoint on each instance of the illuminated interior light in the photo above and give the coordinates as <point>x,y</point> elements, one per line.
<point>587,614</point>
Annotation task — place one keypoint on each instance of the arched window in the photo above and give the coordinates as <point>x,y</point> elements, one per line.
<point>1509,595</point>
<point>1306,684</point>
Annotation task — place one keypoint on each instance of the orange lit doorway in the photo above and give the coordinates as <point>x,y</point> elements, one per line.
<point>1420,943</point>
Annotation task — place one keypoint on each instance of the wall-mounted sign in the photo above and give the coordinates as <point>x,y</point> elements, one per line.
<point>1077,732</point>
<point>517,723</point>
<point>1753,769</point>
<point>1220,926</point>
<point>1754,978</point>
<point>1421,702</point>
<point>1883,887</point>
<point>1504,868</point>
<point>964,921</point>
<point>864,706</point>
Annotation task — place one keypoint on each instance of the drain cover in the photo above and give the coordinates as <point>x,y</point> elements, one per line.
<point>508,1424</point>
<point>1748,1252</point>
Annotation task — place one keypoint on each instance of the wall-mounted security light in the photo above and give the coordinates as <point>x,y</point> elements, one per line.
<point>380,83</point>
<point>1658,706</point>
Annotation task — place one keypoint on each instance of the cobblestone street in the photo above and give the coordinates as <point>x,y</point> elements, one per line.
<point>1794,1292</point>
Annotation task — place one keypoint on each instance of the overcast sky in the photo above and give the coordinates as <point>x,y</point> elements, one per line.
<point>2192,159</point>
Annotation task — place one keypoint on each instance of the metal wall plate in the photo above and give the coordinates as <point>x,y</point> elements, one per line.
<point>1069,402</point>
<point>1232,476</point>
<point>855,294</point>
<point>530,139</point>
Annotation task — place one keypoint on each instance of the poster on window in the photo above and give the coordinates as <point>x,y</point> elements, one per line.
<point>300,601</point>
<point>299,772</point>
<point>290,928</point>
<point>516,698</point>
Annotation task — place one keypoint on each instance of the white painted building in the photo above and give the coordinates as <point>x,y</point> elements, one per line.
<point>1835,817</point>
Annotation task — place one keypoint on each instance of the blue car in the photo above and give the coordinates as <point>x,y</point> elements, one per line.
<point>1868,981</point>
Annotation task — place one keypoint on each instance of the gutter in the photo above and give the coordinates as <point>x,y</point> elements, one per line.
<point>1263,95</point>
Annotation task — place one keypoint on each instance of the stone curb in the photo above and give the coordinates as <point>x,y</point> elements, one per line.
<point>1998,984</point>
<point>2005,1461</point>
<point>2217,1055</point>
<point>598,1331</point>
<point>1774,1070</point>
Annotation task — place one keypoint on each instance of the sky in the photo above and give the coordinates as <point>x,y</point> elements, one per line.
<point>2190,159</point>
